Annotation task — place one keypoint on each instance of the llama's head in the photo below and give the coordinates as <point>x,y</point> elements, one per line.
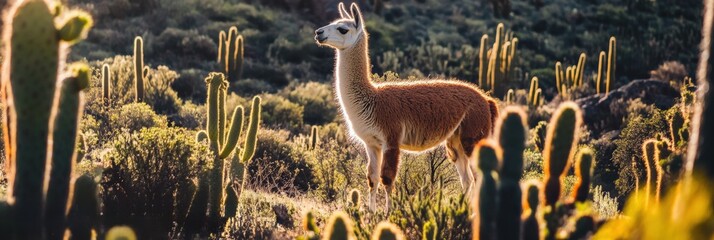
<point>342,33</point>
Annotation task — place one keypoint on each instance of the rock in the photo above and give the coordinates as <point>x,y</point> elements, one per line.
<point>606,113</point>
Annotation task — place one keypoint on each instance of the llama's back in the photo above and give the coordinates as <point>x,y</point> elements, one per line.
<point>427,112</point>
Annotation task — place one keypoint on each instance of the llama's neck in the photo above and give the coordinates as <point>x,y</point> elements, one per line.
<point>354,88</point>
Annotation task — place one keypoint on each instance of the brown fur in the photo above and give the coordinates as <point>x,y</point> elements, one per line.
<point>410,115</point>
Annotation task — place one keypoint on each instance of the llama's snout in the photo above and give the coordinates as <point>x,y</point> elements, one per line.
<point>318,35</point>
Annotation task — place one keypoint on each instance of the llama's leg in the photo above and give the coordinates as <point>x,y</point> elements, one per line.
<point>390,166</point>
<point>456,153</point>
<point>373,169</point>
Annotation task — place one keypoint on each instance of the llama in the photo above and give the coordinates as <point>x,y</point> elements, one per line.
<point>412,115</point>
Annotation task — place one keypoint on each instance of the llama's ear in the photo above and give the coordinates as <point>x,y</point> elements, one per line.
<point>357,15</point>
<point>343,12</point>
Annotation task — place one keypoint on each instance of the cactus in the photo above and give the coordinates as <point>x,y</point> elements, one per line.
<point>354,198</point>
<point>580,70</point>
<point>600,62</point>
<point>313,137</point>
<point>120,233</point>
<point>429,231</point>
<point>559,77</point>
<point>230,53</point>
<point>676,124</point>
<point>387,231</point>
<point>531,228</point>
<point>510,97</point>
<point>224,144</point>
<point>230,203</point>
<point>339,227</point>
<point>196,216</point>
<point>583,169</point>
<point>532,92</point>
<point>483,62</point>
<point>497,64</point>
<point>611,59</point>
<point>651,157</point>
<point>511,134</point>
<point>139,71</point>
<point>636,174</point>
<point>540,132</point>
<point>84,213</point>
<point>559,148</point>
<point>488,153</point>
<point>30,77</point>
<point>106,85</point>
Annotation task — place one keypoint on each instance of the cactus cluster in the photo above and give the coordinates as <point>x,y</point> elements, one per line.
<point>571,78</point>
<point>653,151</point>
<point>216,189</point>
<point>500,194</point>
<point>497,63</point>
<point>230,53</point>
<point>41,128</point>
<point>535,94</point>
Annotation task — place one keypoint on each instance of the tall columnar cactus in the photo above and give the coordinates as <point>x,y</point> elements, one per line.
<point>387,231</point>
<point>532,92</point>
<point>510,97</point>
<point>531,227</point>
<point>559,78</point>
<point>560,145</point>
<point>355,198</point>
<point>139,73</point>
<point>230,53</point>
<point>230,202</point>
<point>313,137</point>
<point>611,60</point>
<point>488,158</point>
<point>106,84</point>
<point>33,50</point>
<point>483,62</point>
<point>223,143</point>
<point>651,158</point>
<point>84,212</point>
<point>583,169</point>
<point>511,134</point>
<point>636,175</point>
<point>580,70</point>
<point>600,71</point>
<point>676,124</point>
<point>429,231</point>
<point>339,227</point>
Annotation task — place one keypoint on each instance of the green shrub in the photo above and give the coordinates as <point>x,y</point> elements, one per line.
<point>278,165</point>
<point>280,112</point>
<point>135,116</point>
<point>190,116</point>
<point>159,94</point>
<point>318,101</point>
<point>144,171</point>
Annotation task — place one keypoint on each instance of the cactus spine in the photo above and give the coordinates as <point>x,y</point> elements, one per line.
<point>583,169</point>
<point>511,134</point>
<point>230,53</point>
<point>488,158</point>
<point>139,71</point>
<point>387,231</point>
<point>600,62</point>
<point>611,59</point>
<point>223,144</point>
<point>30,76</point>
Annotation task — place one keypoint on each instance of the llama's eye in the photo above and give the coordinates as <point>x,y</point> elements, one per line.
<point>342,30</point>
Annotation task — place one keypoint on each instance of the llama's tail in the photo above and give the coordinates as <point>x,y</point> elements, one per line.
<point>494,113</point>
